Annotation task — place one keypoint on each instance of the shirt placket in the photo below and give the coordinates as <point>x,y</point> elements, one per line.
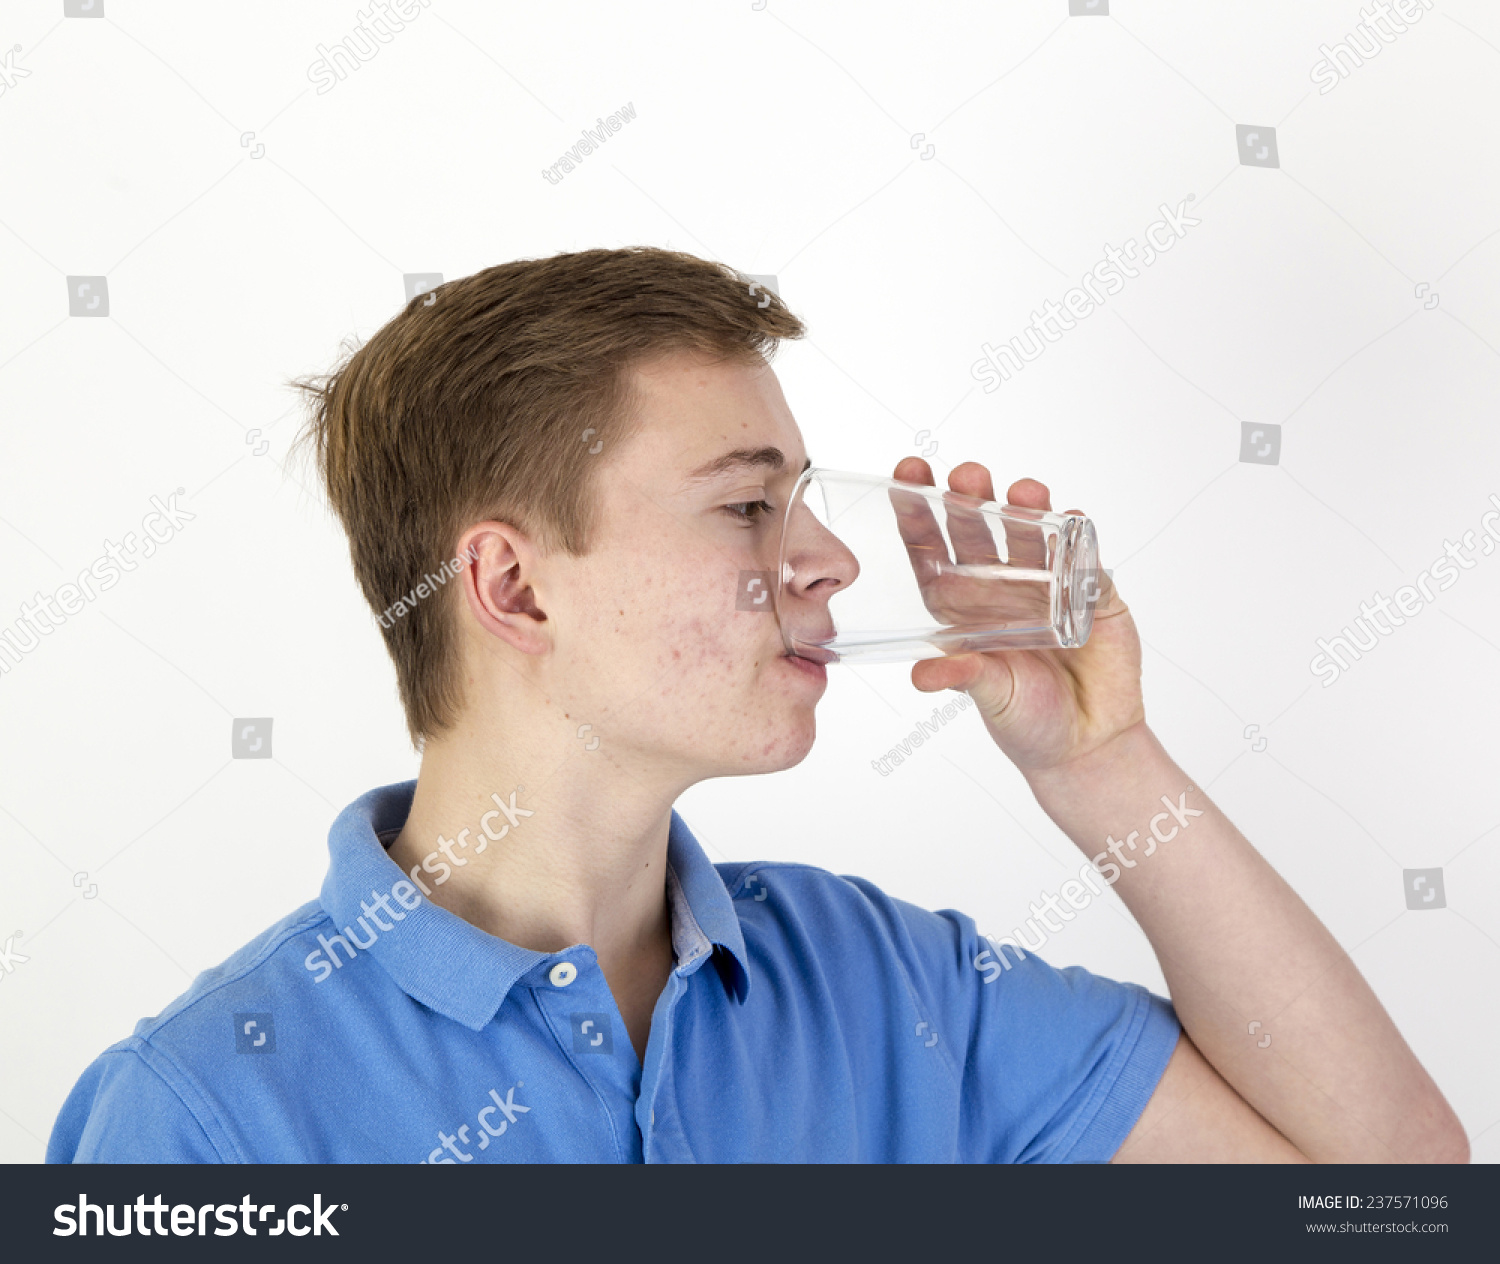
<point>576,1001</point>
<point>656,1111</point>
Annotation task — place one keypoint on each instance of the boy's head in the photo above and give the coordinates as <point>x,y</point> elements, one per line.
<point>554,433</point>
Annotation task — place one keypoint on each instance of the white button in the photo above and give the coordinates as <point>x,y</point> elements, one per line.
<point>563,973</point>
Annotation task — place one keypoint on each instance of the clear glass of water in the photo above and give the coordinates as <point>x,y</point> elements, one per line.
<point>876,570</point>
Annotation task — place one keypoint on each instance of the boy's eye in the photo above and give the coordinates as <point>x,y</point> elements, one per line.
<point>749,511</point>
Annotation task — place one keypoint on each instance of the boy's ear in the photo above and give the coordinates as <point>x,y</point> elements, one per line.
<point>498,563</point>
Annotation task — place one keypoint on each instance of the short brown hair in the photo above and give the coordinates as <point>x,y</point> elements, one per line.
<point>472,403</point>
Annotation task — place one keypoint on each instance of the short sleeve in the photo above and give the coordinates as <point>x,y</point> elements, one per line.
<point>1058,1064</point>
<point>122,1111</point>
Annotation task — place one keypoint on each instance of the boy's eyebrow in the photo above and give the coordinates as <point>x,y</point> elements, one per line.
<point>742,458</point>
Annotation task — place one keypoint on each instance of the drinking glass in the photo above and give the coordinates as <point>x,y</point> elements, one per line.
<point>876,570</point>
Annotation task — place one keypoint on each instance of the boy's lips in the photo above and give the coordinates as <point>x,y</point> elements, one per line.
<point>806,667</point>
<point>813,654</point>
<point>810,634</point>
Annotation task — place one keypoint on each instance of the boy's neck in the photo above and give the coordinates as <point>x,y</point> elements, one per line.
<point>587,865</point>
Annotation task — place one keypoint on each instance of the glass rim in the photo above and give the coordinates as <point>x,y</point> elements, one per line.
<point>877,480</point>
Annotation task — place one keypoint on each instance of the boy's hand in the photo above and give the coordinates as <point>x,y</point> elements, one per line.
<point>1044,708</point>
<point>1232,938</point>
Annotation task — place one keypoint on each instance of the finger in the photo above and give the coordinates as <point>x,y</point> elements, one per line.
<point>1026,544</point>
<point>913,469</point>
<point>926,548</point>
<point>1029,494</point>
<point>951,671</point>
<point>973,538</point>
<point>986,679</point>
<point>972,479</point>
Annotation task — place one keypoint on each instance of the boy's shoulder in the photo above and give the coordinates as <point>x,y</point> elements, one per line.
<point>253,977</point>
<point>161,1090</point>
<point>838,908</point>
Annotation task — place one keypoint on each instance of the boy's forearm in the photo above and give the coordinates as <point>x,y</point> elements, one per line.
<point>1259,984</point>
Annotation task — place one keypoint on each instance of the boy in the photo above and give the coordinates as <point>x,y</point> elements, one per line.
<point>525,955</point>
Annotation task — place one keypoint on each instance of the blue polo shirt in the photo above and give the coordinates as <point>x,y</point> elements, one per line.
<point>809,1018</point>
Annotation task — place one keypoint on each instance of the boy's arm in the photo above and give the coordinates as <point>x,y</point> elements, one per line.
<point>1209,1121</point>
<point>1287,1052</point>
<point>1335,1082</point>
<point>121,1110</point>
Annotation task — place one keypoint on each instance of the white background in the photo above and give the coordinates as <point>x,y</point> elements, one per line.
<point>780,139</point>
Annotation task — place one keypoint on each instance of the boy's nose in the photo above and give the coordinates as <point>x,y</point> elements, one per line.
<point>815,564</point>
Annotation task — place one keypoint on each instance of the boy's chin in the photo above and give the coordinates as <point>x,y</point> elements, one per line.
<point>787,748</point>
<point>794,747</point>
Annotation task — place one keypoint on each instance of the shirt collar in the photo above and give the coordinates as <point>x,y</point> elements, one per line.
<point>462,972</point>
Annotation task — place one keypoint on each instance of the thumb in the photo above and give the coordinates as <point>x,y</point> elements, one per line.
<point>985,678</point>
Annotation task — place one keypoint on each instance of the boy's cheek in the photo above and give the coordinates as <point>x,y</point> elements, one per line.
<point>680,630</point>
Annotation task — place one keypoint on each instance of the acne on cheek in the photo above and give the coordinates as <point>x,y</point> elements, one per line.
<point>704,641</point>
<point>689,616</point>
<point>704,647</point>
